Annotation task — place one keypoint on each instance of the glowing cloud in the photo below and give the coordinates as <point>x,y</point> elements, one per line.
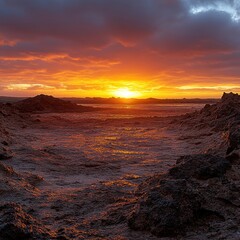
<point>86,48</point>
<point>230,7</point>
<point>22,86</point>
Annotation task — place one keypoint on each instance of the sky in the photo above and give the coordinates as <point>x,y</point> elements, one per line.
<point>108,48</point>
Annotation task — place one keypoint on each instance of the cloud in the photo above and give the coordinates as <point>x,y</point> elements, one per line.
<point>22,86</point>
<point>90,23</point>
<point>80,42</point>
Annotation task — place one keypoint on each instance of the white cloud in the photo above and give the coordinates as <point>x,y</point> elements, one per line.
<point>230,7</point>
<point>27,86</point>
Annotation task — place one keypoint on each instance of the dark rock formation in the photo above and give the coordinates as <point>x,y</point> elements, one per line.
<point>199,167</point>
<point>192,197</point>
<point>15,224</point>
<point>167,208</point>
<point>44,103</point>
<point>233,139</point>
<point>199,198</point>
<point>220,116</point>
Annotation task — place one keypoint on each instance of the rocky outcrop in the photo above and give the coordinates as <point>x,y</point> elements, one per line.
<point>198,198</point>
<point>44,104</point>
<point>15,223</point>
<point>200,195</point>
<point>220,116</point>
<point>200,167</point>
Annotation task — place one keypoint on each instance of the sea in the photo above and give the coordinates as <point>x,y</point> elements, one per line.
<point>140,110</point>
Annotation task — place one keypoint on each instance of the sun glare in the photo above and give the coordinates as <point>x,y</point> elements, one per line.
<point>125,93</point>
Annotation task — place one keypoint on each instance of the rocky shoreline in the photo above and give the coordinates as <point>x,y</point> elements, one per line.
<point>198,198</point>
<point>15,222</point>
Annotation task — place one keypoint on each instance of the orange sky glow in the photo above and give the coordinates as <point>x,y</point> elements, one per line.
<point>127,48</point>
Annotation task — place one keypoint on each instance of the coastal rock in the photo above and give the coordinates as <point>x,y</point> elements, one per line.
<point>200,166</point>
<point>220,116</point>
<point>167,209</point>
<point>200,195</point>
<point>234,139</point>
<point>44,104</point>
<point>15,223</point>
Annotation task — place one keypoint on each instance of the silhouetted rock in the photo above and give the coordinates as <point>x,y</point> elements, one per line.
<point>44,103</point>
<point>220,116</point>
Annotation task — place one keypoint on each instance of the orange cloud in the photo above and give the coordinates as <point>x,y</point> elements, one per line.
<point>91,48</point>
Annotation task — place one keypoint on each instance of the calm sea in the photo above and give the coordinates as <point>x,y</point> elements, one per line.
<point>141,110</point>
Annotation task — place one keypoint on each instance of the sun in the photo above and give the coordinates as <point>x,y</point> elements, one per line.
<point>125,93</point>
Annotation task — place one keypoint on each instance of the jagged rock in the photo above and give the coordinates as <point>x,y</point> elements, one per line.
<point>199,195</point>
<point>44,103</point>
<point>200,166</point>
<point>230,97</point>
<point>234,139</point>
<point>167,208</point>
<point>16,224</point>
<point>220,116</point>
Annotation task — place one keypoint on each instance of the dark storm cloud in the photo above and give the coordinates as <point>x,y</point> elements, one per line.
<point>90,23</point>
<point>56,24</point>
<point>190,35</point>
<point>200,33</point>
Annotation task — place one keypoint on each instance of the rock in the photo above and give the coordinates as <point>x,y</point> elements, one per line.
<point>202,166</point>
<point>167,209</point>
<point>43,103</point>
<point>15,224</point>
<point>220,116</point>
<point>200,195</point>
<point>234,139</point>
<point>234,157</point>
<point>230,97</point>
